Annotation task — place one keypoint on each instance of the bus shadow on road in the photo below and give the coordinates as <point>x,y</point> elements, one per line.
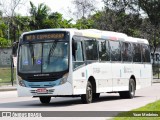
<point>111,98</point>
<point>57,102</point>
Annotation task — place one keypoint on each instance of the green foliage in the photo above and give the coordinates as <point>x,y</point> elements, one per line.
<point>152,9</point>
<point>3,27</point>
<point>42,19</point>
<point>84,23</point>
<point>117,15</point>
<point>38,15</point>
<point>4,42</point>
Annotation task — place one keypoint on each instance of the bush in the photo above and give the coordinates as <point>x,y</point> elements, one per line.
<point>4,42</point>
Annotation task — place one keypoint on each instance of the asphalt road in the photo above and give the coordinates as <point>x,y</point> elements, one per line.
<point>107,102</point>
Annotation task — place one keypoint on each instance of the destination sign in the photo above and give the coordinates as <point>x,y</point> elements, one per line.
<point>44,36</point>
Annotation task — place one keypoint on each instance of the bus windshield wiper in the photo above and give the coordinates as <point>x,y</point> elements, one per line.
<point>52,49</point>
<point>32,52</point>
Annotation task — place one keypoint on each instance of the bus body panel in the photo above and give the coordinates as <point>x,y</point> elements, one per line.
<point>64,89</point>
<point>104,76</point>
<point>146,73</point>
<point>101,72</point>
<point>79,80</point>
<point>120,80</point>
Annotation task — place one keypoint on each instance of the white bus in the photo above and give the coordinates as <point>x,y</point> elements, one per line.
<point>85,63</point>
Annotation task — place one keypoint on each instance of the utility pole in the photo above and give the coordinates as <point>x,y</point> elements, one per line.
<point>8,31</point>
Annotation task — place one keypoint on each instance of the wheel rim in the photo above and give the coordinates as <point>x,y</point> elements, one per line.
<point>89,93</point>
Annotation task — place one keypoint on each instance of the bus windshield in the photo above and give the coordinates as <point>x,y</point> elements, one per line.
<point>43,57</point>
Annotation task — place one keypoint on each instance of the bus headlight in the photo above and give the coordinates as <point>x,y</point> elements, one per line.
<point>21,82</point>
<point>63,79</point>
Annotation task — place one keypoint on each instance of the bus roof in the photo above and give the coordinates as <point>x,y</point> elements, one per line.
<point>101,34</point>
<point>138,40</point>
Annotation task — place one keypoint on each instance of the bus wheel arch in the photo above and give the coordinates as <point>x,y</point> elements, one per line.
<point>90,88</point>
<point>94,87</point>
<point>93,82</point>
<point>131,91</point>
<point>45,99</point>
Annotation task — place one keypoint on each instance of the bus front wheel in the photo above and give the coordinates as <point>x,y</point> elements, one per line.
<point>45,100</point>
<point>87,98</point>
<point>131,92</point>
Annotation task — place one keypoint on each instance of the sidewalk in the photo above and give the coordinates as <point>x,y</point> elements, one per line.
<point>156,80</point>
<point>8,88</point>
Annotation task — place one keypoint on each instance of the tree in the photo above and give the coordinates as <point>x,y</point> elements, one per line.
<point>152,9</point>
<point>8,8</point>
<point>119,21</point>
<point>38,15</point>
<point>83,8</point>
<point>22,25</point>
<point>4,42</point>
<point>41,18</point>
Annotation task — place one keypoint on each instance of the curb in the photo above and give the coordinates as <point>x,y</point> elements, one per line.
<point>3,89</point>
<point>156,81</point>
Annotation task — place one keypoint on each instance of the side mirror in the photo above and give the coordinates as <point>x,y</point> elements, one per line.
<point>14,48</point>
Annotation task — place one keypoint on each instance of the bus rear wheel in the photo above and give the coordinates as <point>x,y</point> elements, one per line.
<point>45,100</point>
<point>87,98</point>
<point>131,92</point>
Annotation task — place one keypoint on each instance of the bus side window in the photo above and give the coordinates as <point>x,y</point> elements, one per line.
<point>91,50</point>
<point>104,50</point>
<point>77,53</point>
<point>115,51</point>
<point>108,50</point>
<point>126,52</point>
<point>136,52</point>
<point>145,53</point>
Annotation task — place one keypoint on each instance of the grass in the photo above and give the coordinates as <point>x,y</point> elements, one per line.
<point>149,108</point>
<point>5,75</point>
<point>156,75</point>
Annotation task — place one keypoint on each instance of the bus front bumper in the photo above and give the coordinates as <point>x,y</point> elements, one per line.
<point>64,89</point>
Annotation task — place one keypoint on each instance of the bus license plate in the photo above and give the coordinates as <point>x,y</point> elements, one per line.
<point>42,90</point>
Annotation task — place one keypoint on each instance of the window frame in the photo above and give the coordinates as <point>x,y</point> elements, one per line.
<point>148,62</point>
<point>119,50</point>
<point>107,48</point>
<point>84,44</point>
<point>83,55</point>
<point>139,62</point>
<point>131,48</point>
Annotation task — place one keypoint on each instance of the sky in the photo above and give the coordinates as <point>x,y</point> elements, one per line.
<point>61,6</point>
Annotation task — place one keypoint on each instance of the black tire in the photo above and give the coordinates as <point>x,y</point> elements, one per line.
<point>45,100</point>
<point>96,96</point>
<point>88,97</point>
<point>131,93</point>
